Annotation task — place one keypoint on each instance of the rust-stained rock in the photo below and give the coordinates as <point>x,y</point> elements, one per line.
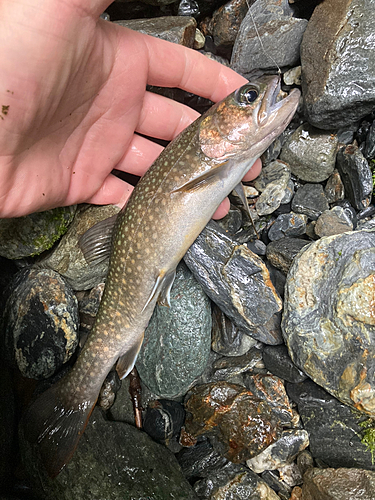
<point>227,20</point>
<point>240,424</point>
<point>329,316</point>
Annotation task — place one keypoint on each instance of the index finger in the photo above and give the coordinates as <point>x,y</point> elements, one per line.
<point>172,65</point>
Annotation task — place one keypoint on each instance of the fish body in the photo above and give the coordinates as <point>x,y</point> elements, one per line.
<point>166,212</point>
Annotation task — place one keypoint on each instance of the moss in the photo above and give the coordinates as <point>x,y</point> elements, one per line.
<point>59,219</point>
<point>368,438</point>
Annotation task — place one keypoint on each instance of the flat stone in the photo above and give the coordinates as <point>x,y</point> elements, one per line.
<point>282,252</point>
<point>310,153</point>
<point>338,76</point>
<point>273,182</point>
<point>334,221</point>
<point>310,200</point>
<point>288,225</point>
<point>328,320</point>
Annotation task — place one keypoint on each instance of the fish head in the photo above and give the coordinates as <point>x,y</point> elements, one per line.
<point>248,120</point>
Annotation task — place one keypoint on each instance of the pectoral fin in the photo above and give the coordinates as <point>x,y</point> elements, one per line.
<point>126,362</point>
<point>212,175</point>
<point>95,243</point>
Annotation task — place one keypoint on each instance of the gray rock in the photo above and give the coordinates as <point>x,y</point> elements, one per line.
<point>369,146</point>
<point>40,322</point>
<point>280,453</point>
<point>282,252</point>
<point>356,176</point>
<point>177,340</point>
<point>175,29</point>
<point>280,37</point>
<point>334,221</point>
<point>67,258</point>
<point>273,182</point>
<point>310,153</point>
<point>113,461</point>
<point>227,367</point>
<point>288,225</point>
<point>334,431</point>
<point>226,22</point>
<point>340,484</point>
<point>34,233</point>
<point>334,188</point>
<point>310,200</point>
<point>232,222</point>
<point>277,361</point>
<point>338,76</point>
<point>328,321</point>
<point>236,279</point>
<point>200,460</point>
<point>234,482</point>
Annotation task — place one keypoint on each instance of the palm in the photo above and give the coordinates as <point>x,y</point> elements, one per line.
<point>73,95</point>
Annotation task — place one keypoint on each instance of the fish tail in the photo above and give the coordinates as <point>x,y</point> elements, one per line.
<point>55,425</point>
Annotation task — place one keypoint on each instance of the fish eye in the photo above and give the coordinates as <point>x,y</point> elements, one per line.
<point>246,95</point>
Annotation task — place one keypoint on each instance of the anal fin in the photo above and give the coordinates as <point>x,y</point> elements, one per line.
<point>126,362</point>
<point>161,288</point>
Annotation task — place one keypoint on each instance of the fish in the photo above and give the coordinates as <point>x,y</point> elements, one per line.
<point>167,210</point>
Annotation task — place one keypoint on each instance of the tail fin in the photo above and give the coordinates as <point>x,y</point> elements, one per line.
<point>56,426</point>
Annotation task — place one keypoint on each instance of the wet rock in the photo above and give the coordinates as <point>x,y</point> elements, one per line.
<point>234,481</point>
<point>176,29</point>
<point>292,76</point>
<point>343,484</point>
<point>273,182</point>
<point>356,176</point>
<point>369,145</point>
<point>225,368</point>
<point>110,387</point>
<point>287,225</point>
<point>277,360</point>
<point>200,460</point>
<point>177,340</point>
<point>257,246</point>
<point>273,480</point>
<point>334,188</point>
<point>88,304</point>
<point>40,322</point>
<point>236,280</point>
<point>310,153</point>
<point>334,221</point>
<point>228,339</point>
<point>199,40</point>
<point>34,233</point>
<point>338,75</point>
<point>67,258</point>
<point>163,420</point>
<point>280,37</point>
<point>282,252</point>
<point>334,431</point>
<point>232,221</point>
<point>188,8</point>
<point>280,453</point>
<point>105,466</point>
<point>226,22</point>
<point>328,320</point>
<point>239,424</point>
<point>310,200</point>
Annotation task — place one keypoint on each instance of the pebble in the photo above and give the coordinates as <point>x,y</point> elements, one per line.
<point>290,224</point>
<point>277,360</point>
<point>163,420</point>
<point>273,183</point>
<point>226,22</point>
<point>310,200</point>
<point>334,188</point>
<point>281,252</point>
<point>334,221</point>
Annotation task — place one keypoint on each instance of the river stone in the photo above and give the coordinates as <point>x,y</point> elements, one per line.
<point>40,322</point>
<point>334,431</point>
<point>310,153</point>
<point>269,37</point>
<point>33,234</point>
<point>177,340</point>
<point>237,280</point>
<point>282,252</point>
<point>67,258</point>
<point>356,176</point>
<point>290,224</point>
<point>175,29</point>
<point>277,361</point>
<point>272,182</point>
<point>338,76</point>
<point>310,200</point>
<point>334,221</point>
<point>334,188</point>
<point>338,484</point>
<point>226,22</point>
<point>113,461</point>
<point>328,320</point>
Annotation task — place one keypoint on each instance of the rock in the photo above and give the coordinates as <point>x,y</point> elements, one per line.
<point>40,322</point>
<point>338,75</point>
<point>273,182</point>
<point>272,478</point>
<point>269,37</point>
<point>282,252</point>
<point>67,258</point>
<point>234,482</point>
<point>310,153</point>
<point>104,466</point>
<point>277,360</point>
<point>34,233</point>
<point>239,424</point>
<point>340,484</point>
<point>163,420</point>
<point>236,280</point>
<point>177,340</point>
<point>334,188</point>
<point>310,200</point>
<point>334,429</point>
<point>228,339</point>
<point>225,368</point>
<point>328,322</point>
<point>369,145</point>
<point>175,29</point>
<point>226,22</point>
<point>288,225</point>
<point>356,176</point>
<point>280,453</point>
<point>232,222</point>
<point>200,460</point>
<point>334,221</point>
<point>293,76</point>
<point>188,8</point>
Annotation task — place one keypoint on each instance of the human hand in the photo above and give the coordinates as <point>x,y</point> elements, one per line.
<point>73,100</point>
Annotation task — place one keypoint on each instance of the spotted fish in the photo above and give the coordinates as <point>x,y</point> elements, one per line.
<point>166,212</point>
